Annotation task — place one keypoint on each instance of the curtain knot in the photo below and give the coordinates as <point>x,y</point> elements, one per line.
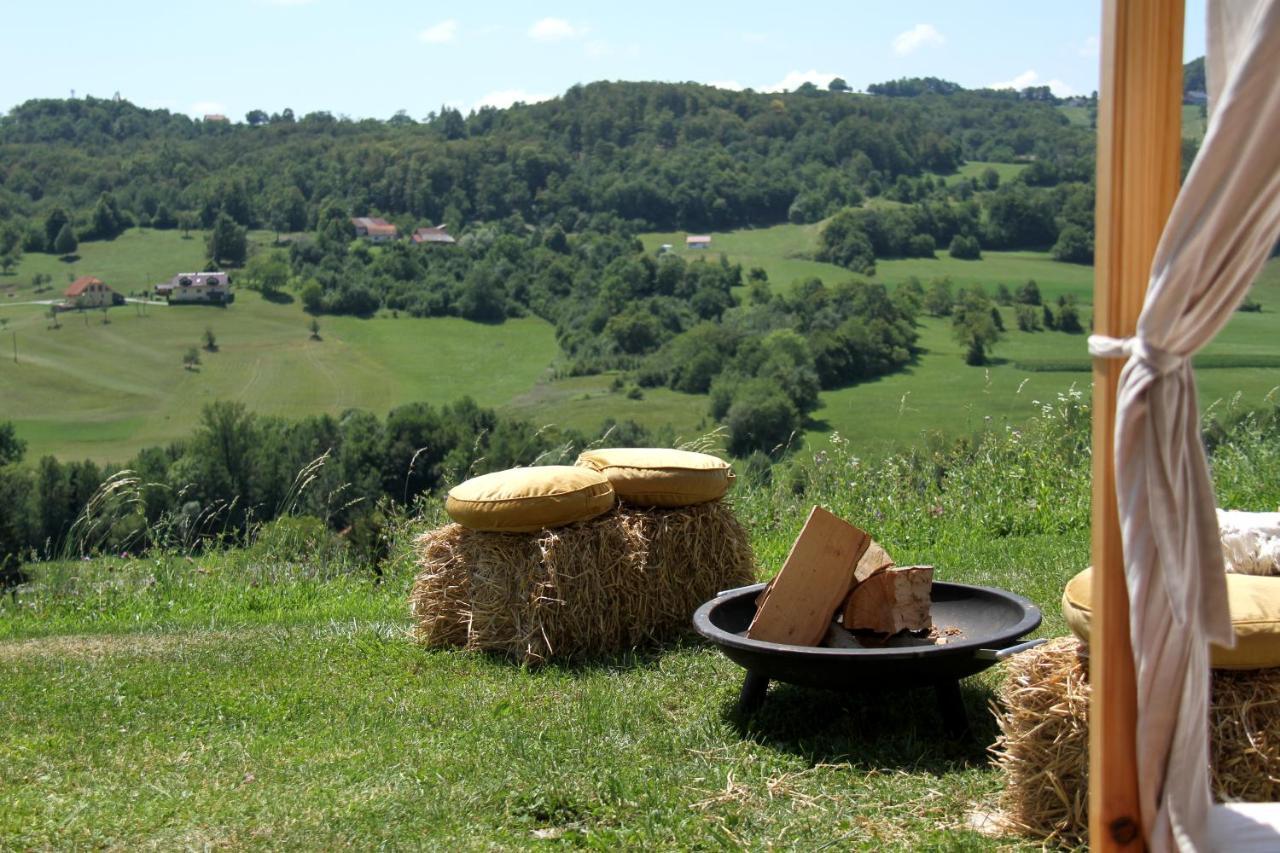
<point>1161,361</point>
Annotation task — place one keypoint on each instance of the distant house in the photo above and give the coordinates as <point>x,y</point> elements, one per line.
<point>218,117</point>
<point>374,229</point>
<point>697,241</point>
<point>211,287</point>
<point>437,234</point>
<point>90,292</point>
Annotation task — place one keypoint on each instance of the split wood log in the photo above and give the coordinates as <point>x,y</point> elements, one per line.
<point>892,600</point>
<point>876,559</point>
<point>799,604</point>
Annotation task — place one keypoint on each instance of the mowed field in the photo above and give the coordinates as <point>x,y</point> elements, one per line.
<point>103,391</point>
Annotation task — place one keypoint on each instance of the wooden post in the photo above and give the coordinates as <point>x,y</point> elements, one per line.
<point>1139,145</point>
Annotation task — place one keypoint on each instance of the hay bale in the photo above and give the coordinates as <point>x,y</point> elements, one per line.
<point>1043,748</point>
<point>627,578</point>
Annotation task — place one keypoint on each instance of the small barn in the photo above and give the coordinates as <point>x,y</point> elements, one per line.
<point>90,292</point>
<point>437,235</point>
<point>697,241</point>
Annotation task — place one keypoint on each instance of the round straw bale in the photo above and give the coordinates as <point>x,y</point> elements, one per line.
<point>1043,748</point>
<point>630,577</point>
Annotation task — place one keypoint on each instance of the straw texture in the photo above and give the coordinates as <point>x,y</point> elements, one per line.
<point>631,577</point>
<point>1043,748</point>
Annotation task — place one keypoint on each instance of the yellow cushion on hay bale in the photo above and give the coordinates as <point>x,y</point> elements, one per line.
<point>1254,602</point>
<point>523,500</point>
<point>657,476</point>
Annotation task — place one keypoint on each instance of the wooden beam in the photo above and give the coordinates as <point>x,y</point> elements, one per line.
<point>1139,145</point>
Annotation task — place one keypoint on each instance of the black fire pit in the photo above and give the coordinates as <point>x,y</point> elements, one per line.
<point>981,625</point>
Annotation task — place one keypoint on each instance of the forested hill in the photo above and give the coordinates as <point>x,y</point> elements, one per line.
<point>659,155</point>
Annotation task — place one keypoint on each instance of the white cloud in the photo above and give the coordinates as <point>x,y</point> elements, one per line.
<point>917,37</point>
<point>598,49</point>
<point>731,85</point>
<point>204,108</point>
<point>1020,81</point>
<point>445,31</point>
<point>1090,48</point>
<point>795,79</point>
<point>754,38</point>
<point>504,98</point>
<point>1031,78</point>
<point>555,29</point>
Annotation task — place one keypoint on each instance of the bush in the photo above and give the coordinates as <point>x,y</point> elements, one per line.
<point>965,248</point>
<point>760,417</point>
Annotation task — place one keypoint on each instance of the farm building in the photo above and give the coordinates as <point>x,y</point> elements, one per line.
<point>374,229</point>
<point>90,292</point>
<point>697,241</point>
<point>211,287</point>
<point>437,234</point>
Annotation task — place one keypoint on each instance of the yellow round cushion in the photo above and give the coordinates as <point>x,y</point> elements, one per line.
<point>656,476</point>
<point>522,500</point>
<point>1254,602</point>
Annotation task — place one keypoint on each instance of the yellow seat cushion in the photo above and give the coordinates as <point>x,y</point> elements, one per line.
<point>522,500</point>
<point>1254,602</point>
<point>656,476</point>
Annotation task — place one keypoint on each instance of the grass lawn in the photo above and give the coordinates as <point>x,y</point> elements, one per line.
<point>210,702</point>
<point>975,168</point>
<point>104,391</point>
<point>263,699</point>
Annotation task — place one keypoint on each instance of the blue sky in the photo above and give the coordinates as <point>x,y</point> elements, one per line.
<point>375,58</point>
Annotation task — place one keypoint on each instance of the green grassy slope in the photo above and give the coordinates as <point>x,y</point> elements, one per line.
<point>104,391</point>
<point>940,393</point>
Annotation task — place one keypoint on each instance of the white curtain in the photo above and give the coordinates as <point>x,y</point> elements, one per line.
<point>1222,227</point>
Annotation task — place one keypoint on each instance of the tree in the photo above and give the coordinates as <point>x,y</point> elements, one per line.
<point>938,301</point>
<point>65,243</point>
<point>1003,296</point>
<point>312,297</point>
<point>972,326</point>
<point>53,318</point>
<point>53,225</point>
<point>228,243</point>
<point>1029,293</point>
<point>164,218</point>
<point>315,329</point>
<point>1069,315</point>
<point>1028,318</point>
<point>965,248</point>
<point>990,178</point>
<point>12,448</point>
<point>191,358</point>
<point>254,118</point>
<point>838,84</point>
<point>760,417</point>
<point>107,221</point>
<point>187,221</point>
<point>210,340</point>
<point>1074,246</point>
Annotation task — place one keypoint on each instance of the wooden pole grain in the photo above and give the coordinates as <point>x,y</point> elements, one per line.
<point>1139,146</point>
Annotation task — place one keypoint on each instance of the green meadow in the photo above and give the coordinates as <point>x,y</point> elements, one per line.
<point>99,390</point>
<point>939,393</point>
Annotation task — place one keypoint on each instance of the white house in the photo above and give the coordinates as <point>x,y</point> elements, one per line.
<point>697,241</point>
<point>212,287</point>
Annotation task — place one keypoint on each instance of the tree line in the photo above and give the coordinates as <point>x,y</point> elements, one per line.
<point>659,156</point>
<point>238,469</point>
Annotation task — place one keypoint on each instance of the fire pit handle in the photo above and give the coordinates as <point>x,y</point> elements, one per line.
<point>1010,651</point>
